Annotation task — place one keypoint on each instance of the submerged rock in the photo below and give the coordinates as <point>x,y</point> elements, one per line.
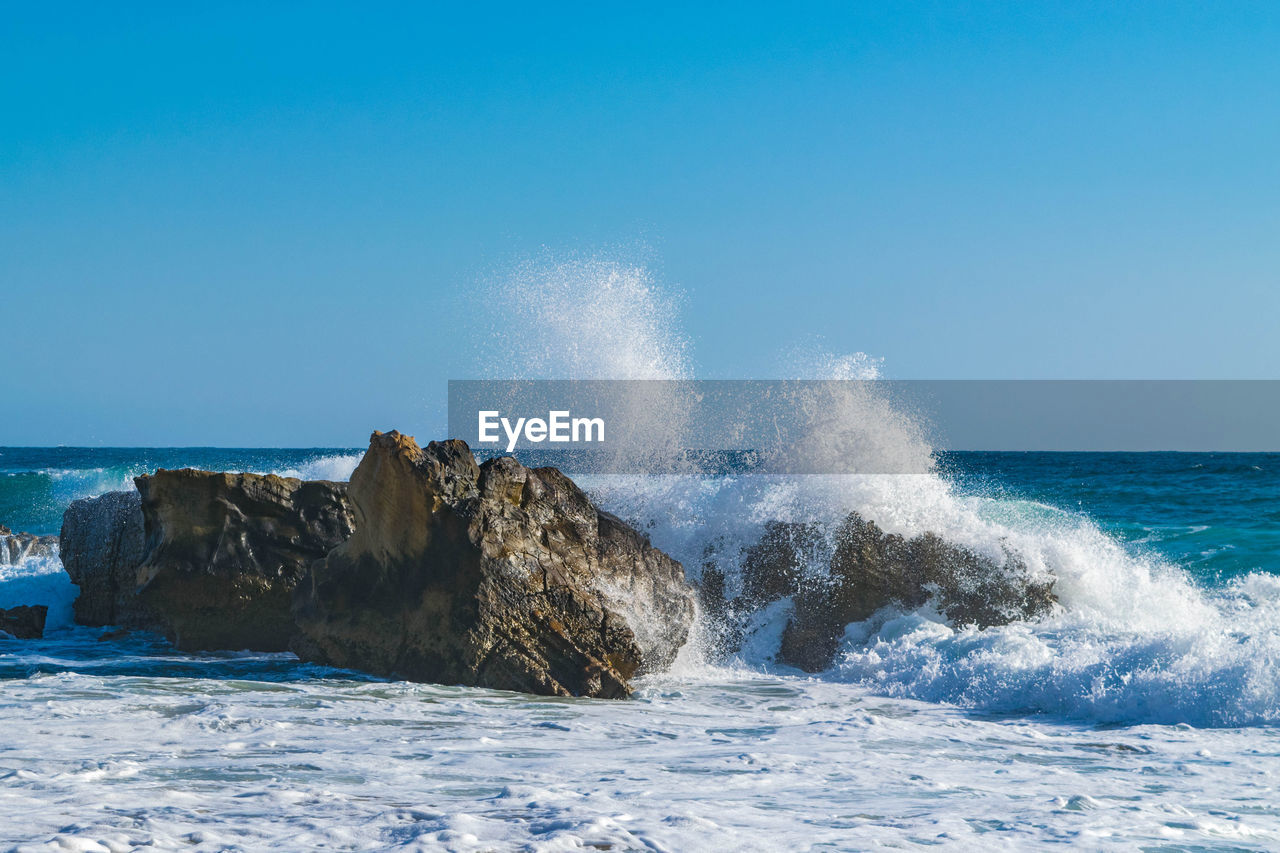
<point>868,569</point>
<point>224,552</point>
<point>493,575</point>
<point>25,622</point>
<point>16,547</point>
<point>101,546</point>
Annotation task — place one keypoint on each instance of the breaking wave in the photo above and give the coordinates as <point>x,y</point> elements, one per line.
<point>1134,638</point>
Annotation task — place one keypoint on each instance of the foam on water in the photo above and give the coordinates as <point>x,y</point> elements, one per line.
<point>337,468</point>
<point>39,580</point>
<point>903,742</point>
<point>1133,640</point>
<point>149,748</point>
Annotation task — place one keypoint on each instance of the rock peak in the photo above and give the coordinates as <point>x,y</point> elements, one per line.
<point>494,575</point>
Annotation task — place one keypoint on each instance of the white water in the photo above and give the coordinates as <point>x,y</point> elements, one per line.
<point>337,468</point>
<point>1133,641</point>
<point>1145,705</point>
<point>39,580</point>
<point>727,761</point>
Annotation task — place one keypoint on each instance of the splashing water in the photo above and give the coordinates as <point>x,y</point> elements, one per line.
<point>1134,638</point>
<point>583,318</point>
<point>128,743</point>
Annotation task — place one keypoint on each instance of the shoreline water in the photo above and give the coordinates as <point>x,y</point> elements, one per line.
<point>730,759</point>
<point>1092,730</point>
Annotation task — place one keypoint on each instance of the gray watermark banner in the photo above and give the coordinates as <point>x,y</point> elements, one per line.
<point>850,426</point>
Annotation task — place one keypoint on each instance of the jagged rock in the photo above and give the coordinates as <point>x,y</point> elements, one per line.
<point>16,547</point>
<point>223,553</point>
<point>867,569</point>
<point>494,575</point>
<point>871,569</point>
<point>102,545</point>
<point>25,622</point>
<point>772,568</point>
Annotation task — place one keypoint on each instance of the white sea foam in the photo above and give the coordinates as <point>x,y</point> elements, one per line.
<point>724,760</point>
<point>144,746</point>
<point>1133,640</point>
<point>337,467</point>
<point>39,580</point>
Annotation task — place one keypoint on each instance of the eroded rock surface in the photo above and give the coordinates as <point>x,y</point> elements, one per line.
<point>866,570</point>
<point>493,575</point>
<point>224,552</point>
<point>101,546</point>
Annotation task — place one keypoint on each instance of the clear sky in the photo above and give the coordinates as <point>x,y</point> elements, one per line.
<point>249,224</point>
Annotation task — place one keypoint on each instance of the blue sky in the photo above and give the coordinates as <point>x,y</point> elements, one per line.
<point>254,224</point>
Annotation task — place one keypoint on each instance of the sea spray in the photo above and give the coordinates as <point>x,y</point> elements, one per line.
<point>39,579</point>
<point>1133,637</point>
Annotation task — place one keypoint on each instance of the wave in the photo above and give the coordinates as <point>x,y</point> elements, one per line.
<point>1133,639</point>
<point>338,467</point>
<point>39,580</point>
<point>34,498</point>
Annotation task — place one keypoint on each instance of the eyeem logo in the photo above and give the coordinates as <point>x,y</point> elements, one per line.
<point>559,427</point>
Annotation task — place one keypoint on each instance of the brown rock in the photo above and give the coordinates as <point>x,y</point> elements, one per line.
<point>772,568</point>
<point>871,569</point>
<point>860,571</point>
<point>494,575</point>
<point>223,553</point>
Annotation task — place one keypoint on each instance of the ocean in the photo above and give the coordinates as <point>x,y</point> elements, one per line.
<point>1144,713</point>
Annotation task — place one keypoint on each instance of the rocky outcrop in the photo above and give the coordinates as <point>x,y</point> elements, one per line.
<point>866,570</point>
<point>16,547</point>
<point>102,546</point>
<point>492,575</point>
<point>25,622</point>
<point>224,552</point>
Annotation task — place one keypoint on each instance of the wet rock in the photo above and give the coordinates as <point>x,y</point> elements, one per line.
<point>863,569</point>
<point>102,546</point>
<point>871,569</point>
<point>16,547</point>
<point>25,622</point>
<point>224,552</point>
<point>772,568</point>
<point>495,575</point>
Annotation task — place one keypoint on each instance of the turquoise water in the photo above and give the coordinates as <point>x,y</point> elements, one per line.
<point>37,483</point>
<point>1215,514</point>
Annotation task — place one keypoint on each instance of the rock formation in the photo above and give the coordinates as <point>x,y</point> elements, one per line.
<point>102,546</point>
<point>223,553</point>
<point>493,575</point>
<point>208,559</point>
<point>25,622</point>
<point>16,547</point>
<point>868,569</point>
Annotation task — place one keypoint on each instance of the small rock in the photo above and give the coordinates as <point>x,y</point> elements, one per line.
<point>25,622</point>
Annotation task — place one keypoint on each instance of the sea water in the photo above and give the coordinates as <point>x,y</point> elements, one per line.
<point>1144,712</point>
